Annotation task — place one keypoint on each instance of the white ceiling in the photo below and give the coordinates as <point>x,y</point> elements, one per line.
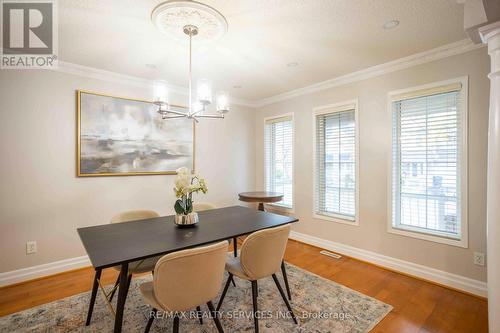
<point>328,38</point>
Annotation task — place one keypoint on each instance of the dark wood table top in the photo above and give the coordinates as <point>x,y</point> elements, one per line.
<point>261,196</point>
<point>112,244</point>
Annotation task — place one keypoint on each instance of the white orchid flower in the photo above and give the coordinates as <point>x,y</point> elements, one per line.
<point>182,171</point>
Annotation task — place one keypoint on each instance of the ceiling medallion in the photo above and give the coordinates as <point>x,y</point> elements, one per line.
<point>190,19</point>
<point>171,17</point>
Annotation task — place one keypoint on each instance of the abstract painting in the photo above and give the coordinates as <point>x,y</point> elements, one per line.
<point>122,136</point>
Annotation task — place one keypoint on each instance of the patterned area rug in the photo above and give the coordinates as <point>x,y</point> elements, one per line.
<point>320,305</point>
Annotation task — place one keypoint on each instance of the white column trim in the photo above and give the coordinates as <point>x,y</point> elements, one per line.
<point>490,34</point>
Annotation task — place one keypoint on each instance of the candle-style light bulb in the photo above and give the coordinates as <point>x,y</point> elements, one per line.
<point>204,91</point>
<point>161,98</point>
<point>222,102</point>
<point>160,92</point>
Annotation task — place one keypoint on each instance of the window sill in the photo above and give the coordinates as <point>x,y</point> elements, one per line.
<point>336,219</point>
<point>429,237</point>
<point>280,208</point>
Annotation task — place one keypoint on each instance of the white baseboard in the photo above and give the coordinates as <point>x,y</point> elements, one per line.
<point>455,281</point>
<point>448,279</point>
<point>50,268</point>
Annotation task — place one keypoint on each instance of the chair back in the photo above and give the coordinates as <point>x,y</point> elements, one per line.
<point>201,206</point>
<point>263,251</point>
<point>133,215</point>
<point>185,279</point>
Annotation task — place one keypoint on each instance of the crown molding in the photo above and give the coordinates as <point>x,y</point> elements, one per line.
<point>101,74</point>
<point>438,53</point>
<point>488,31</point>
<point>441,52</point>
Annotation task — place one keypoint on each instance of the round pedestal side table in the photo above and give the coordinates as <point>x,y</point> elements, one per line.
<point>261,197</point>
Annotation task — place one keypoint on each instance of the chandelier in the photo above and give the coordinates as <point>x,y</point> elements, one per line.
<point>190,18</point>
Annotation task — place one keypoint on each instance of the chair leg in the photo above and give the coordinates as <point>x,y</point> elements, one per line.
<point>255,309</point>
<point>229,279</point>
<point>235,252</point>
<point>176,324</point>
<point>150,321</point>
<point>114,288</point>
<point>199,314</point>
<point>97,276</point>
<point>215,317</point>
<point>284,298</point>
<point>285,278</point>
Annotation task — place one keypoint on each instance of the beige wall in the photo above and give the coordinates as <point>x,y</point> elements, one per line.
<point>42,200</point>
<point>375,132</point>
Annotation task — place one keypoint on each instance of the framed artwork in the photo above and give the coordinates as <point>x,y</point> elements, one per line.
<point>119,136</point>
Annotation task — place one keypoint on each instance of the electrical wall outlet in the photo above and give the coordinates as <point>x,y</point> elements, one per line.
<point>31,247</point>
<point>479,259</point>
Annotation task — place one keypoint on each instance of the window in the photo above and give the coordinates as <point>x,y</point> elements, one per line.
<point>278,143</point>
<point>429,163</point>
<point>336,163</point>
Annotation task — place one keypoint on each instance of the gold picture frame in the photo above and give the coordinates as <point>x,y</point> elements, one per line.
<point>83,172</point>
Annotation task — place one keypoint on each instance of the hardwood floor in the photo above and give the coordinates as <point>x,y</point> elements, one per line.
<point>419,306</point>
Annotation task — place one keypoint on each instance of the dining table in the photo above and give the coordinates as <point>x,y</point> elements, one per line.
<point>119,244</point>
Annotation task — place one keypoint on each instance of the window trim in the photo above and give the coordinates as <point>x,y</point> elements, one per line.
<point>276,206</point>
<point>420,234</point>
<point>334,108</point>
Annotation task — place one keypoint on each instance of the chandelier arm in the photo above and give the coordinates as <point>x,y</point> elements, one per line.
<point>213,116</point>
<point>183,114</point>
<point>173,117</point>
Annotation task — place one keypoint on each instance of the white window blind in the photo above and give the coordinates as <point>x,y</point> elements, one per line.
<point>427,153</point>
<point>336,164</point>
<point>279,158</point>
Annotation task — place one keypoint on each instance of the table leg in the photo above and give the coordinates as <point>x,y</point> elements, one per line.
<point>235,246</point>
<point>261,206</point>
<point>122,296</point>
<point>93,296</point>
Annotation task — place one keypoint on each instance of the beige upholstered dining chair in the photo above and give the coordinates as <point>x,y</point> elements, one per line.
<point>201,206</point>
<point>186,279</point>
<point>135,267</point>
<point>133,215</point>
<point>261,256</point>
<point>142,266</point>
